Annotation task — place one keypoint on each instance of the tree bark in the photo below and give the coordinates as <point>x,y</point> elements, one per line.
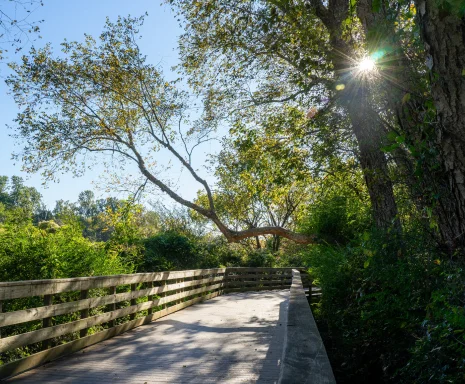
<point>443,32</point>
<point>368,130</point>
<point>370,138</point>
<point>430,190</point>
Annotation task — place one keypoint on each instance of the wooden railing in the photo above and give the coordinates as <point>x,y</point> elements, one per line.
<point>304,359</point>
<point>51,318</point>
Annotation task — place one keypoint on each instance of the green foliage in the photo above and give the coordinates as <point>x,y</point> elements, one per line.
<point>340,210</point>
<point>14,195</point>
<point>390,310</point>
<point>170,251</point>
<point>260,258</point>
<point>28,252</point>
<point>263,178</point>
<point>439,353</point>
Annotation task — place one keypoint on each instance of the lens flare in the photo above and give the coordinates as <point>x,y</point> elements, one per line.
<point>367,64</point>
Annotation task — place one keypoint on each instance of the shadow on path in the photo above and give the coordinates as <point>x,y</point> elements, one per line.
<point>236,338</point>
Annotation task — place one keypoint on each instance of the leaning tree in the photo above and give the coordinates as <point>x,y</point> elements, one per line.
<point>102,101</point>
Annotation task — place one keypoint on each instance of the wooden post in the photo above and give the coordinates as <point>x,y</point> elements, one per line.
<point>150,297</point>
<point>132,316</point>
<point>164,295</point>
<point>47,322</point>
<point>84,313</point>
<point>1,308</point>
<point>112,307</point>
<point>310,285</point>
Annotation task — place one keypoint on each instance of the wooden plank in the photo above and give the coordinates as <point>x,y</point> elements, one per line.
<point>23,339</point>
<point>132,316</point>
<point>112,306</point>
<point>47,322</point>
<point>150,297</point>
<point>259,276</point>
<point>304,355</point>
<point>257,269</point>
<point>17,317</point>
<point>84,314</point>
<point>258,283</point>
<point>30,288</point>
<point>248,289</point>
<point>16,367</point>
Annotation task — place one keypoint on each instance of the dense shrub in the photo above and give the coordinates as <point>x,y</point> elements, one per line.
<point>391,311</point>
<point>28,252</point>
<point>336,219</point>
<point>172,250</point>
<point>169,251</point>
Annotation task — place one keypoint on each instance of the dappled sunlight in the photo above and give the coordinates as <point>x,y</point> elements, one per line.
<point>229,339</point>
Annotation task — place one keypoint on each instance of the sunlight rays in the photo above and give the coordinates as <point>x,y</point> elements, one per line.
<point>367,64</point>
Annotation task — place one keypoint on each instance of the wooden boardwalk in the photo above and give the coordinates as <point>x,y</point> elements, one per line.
<point>235,338</point>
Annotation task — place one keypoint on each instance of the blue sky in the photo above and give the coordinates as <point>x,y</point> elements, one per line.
<point>70,20</point>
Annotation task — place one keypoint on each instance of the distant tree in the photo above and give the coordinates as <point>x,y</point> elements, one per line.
<point>15,195</point>
<point>86,204</point>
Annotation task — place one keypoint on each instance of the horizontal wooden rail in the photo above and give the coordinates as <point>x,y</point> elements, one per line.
<point>79,312</point>
<point>304,352</point>
<point>10,318</point>
<point>30,288</point>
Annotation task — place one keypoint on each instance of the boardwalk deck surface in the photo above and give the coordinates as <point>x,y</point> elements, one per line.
<point>235,338</point>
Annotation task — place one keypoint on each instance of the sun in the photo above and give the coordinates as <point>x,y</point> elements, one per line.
<point>367,64</point>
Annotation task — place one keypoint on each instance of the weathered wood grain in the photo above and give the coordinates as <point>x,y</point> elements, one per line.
<point>47,322</point>
<point>17,317</point>
<point>84,313</point>
<point>16,341</point>
<point>174,287</point>
<point>40,358</point>
<point>250,282</point>
<point>31,288</point>
<point>247,289</point>
<point>305,358</point>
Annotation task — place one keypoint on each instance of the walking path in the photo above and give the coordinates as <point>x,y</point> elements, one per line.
<point>234,338</point>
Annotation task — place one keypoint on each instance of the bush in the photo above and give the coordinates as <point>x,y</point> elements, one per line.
<point>391,311</point>
<point>169,251</point>
<point>336,219</point>
<point>28,253</point>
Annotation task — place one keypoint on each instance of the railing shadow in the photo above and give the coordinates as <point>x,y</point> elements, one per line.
<point>187,347</point>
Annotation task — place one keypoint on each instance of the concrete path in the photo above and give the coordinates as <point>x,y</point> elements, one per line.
<point>236,338</point>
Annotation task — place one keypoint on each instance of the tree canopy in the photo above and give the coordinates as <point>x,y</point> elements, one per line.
<point>103,98</point>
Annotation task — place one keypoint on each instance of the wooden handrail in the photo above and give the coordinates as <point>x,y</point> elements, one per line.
<point>304,358</point>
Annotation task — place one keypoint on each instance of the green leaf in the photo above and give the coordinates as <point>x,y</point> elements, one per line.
<point>368,252</point>
<point>406,98</point>
<point>366,264</point>
<point>376,5</point>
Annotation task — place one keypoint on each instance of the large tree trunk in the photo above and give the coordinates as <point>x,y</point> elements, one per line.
<point>439,189</point>
<point>368,131</point>
<point>443,32</point>
<point>370,137</point>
